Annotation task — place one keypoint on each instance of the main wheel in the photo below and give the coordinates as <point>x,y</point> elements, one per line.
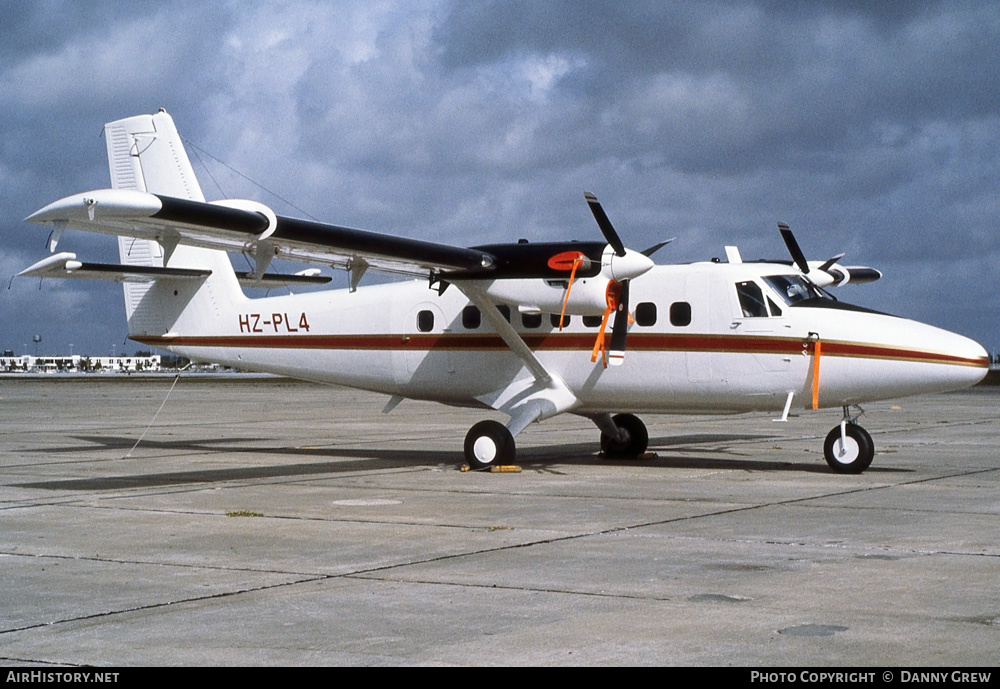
<point>850,457</point>
<point>636,438</point>
<point>487,444</point>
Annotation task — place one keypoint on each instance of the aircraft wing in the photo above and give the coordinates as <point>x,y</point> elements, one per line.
<point>251,227</point>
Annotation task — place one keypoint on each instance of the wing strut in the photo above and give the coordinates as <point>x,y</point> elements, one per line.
<point>524,399</point>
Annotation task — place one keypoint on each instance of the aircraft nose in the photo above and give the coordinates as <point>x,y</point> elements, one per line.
<point>917,358</point>
<point>967,350</point>
<point>966,360</point>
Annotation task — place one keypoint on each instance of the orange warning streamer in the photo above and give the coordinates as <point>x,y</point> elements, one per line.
<point>611,297</point>
<point>599,344</point>
<point>817,349</point>
<point>567,260</point>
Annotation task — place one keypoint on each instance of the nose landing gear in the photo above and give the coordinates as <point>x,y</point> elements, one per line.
<point>849,449</point>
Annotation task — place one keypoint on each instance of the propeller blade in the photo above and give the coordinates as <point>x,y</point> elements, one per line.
<point>829,264</point>
<point>620,329</point>
<point>607,229</point>
<point>656,247</point>
<point>793,247</point>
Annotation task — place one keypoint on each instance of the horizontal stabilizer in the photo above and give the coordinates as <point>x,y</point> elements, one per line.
<point>269,280</point>
<point>65,265</point>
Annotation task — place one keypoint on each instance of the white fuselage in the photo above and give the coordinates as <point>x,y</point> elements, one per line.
<point>699,352</point>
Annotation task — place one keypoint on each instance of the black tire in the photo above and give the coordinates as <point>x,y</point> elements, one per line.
<point>860,450</point>
<point>488,444</point>
<point>635,443</point>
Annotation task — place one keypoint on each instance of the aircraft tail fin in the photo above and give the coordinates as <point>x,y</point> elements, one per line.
<point>145,153</point>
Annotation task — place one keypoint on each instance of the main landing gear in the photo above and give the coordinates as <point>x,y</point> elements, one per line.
<point>490,443</point>
<point>622,436</point>
<point>849,449</point>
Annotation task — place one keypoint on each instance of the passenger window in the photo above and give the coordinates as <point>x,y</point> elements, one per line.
<point>425,321</point>
<point>504,311</point>
<point>645,313</point>
<point>680,314</point>
<point>471,317</point>
<point>531,320</point>
<point>592,321</point>
<point>751,299</point>
<point>554,319</point>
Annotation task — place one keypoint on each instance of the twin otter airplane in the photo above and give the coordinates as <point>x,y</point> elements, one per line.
<point>528,329</point>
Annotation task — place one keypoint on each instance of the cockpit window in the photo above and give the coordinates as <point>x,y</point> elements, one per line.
<point>793,288</point>
<point>751,299</point>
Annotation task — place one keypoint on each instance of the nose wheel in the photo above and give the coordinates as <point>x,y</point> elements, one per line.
<point>488,444</point>
<point>849,449</point>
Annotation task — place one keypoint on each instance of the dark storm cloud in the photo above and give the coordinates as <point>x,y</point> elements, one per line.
<point>41,27</point>
<point>750,83</point>
<point>871,122</point>
<point>70,67</point>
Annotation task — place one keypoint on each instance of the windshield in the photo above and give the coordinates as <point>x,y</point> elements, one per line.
<point>794,288</point>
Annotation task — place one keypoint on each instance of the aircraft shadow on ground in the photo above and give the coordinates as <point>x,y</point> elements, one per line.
<point>665,452</point>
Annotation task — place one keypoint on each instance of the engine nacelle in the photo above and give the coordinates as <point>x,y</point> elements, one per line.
<point>588,297</point>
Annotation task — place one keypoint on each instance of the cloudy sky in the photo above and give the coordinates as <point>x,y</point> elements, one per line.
<point>871,128</point>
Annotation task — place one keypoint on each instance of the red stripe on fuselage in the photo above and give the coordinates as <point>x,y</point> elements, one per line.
<point>732,344</point>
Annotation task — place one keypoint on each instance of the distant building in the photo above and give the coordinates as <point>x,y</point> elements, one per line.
<point>76,362</point>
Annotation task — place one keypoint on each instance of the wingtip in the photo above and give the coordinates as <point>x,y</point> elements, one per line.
<point>48,265</point>
<point>102,203</point>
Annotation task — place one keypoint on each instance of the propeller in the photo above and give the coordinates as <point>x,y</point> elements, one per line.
<point>656,247</point>
<point>624,265</point>
<point>828,272</point>
<point>793,247</point>
<point>620,328</point>
<point>606,227</point>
